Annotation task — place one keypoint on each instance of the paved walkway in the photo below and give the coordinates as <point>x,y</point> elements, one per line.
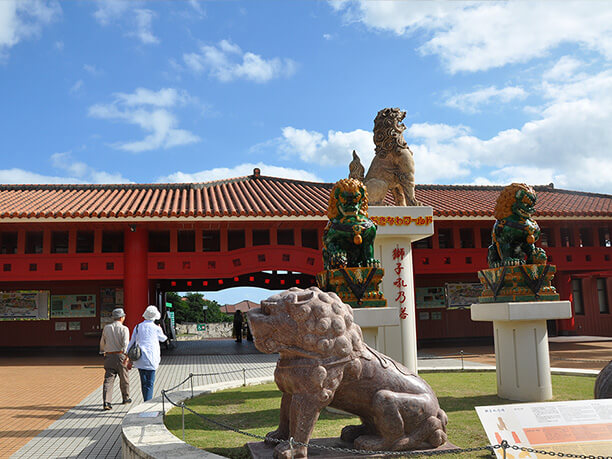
<point>50,405</point>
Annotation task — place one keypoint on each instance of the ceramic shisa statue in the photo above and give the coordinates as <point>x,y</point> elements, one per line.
<point>324,362</point>
<point>348,248</point>
<point>518,270</point>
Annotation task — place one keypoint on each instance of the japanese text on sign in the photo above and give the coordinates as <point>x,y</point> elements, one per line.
<point>402,221</point>
<point>398,255</point>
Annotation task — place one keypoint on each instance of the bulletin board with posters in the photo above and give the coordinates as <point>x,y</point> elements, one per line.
<point>73,305</point>
<point>110,298</point>
<point>24,305</point>
<point>462,295</point>
<point>429,297</point>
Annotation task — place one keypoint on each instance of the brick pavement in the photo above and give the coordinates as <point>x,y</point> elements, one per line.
<point>37,390</point>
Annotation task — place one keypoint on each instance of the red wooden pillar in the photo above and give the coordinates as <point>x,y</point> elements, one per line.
<point>564,289</point>
<point>135,281</point>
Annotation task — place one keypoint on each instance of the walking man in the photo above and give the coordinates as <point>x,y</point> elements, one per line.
<point>115,338</point>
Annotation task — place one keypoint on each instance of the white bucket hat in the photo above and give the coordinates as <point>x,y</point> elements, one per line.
<point>151,313</point>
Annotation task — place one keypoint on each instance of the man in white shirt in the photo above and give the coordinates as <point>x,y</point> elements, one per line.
<point>115,338</point>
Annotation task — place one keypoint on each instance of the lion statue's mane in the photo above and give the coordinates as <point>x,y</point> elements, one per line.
<point>507,199</point>
<point>393,165</point>
<point>515,231</point>
<point>350,185</point>
<point>325,362</point>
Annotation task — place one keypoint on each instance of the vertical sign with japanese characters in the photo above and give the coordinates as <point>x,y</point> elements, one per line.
<point>400,284</point>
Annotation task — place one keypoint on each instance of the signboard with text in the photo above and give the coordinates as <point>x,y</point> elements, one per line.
<point>574,427</point>
<point>73,306</point>
<point>462,295</point>
<point>429,297</point>
<point>24,305</point>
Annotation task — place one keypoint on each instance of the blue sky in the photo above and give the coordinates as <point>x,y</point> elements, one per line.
<point>176,91</point>
<point>150,91</point>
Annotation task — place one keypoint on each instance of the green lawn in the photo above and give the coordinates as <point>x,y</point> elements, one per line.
<point>255,409</point>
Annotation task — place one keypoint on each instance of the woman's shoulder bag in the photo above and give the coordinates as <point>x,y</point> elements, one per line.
<point>134,351</point>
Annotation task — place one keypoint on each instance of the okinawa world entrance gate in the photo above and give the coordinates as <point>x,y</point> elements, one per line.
<point>69,254</point>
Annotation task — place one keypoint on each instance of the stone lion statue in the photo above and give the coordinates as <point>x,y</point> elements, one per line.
<point>348,239</point>
<point>324,362</point>
<point>393,165</point>
<point>515,232</point>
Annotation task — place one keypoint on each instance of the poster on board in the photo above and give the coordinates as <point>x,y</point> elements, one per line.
<point>73,305</point>
<point>24,305</point>
<point>574,427</point>
<point>429,297</point>
<point>462,295</point>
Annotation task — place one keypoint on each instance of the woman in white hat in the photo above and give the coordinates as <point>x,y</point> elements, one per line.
<point>148,335</point>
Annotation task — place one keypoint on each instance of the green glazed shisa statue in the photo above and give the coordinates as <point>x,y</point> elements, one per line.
<point>348,248</point>
<point>518,270</point>
<point>515,232</point>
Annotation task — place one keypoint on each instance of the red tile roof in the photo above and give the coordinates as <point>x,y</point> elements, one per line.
<point>479,201</point>
<point>261,196</point>
<point>243,305</point>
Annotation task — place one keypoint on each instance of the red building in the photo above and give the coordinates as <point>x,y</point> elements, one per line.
<point>69,254</point>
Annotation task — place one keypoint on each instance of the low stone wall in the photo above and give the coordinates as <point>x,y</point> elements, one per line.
<point>144,434</point>
<point>189,331</point>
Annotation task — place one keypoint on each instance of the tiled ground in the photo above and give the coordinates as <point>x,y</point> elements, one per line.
<point>79,428</point>
<point>35,391</point>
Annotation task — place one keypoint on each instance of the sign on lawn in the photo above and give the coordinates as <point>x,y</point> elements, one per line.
<point>575,427</point>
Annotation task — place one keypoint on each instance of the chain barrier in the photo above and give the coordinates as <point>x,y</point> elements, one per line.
<point>292,443</point>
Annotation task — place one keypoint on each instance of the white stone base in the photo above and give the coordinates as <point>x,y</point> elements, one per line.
<point>521,346</point>
<point>370,319</point>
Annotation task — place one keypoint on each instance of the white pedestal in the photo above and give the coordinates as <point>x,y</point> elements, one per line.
<point>398,227</point>
<point>521,346</point>
<point>371,319</point>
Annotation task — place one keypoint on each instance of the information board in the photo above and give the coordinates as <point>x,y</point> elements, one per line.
<point>574,427</point>
<point>73,305</point>
<point>24,305</point>
<point>429,297</point>
<point>462,295</point>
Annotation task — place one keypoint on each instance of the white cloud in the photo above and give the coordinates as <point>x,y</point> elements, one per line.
<point>568,143</point>
<point>144,26</point>
<point>76,86</point>
<point>331,150</point>
<point>563,69</point>
<point>137,22</point>
<point>79,172</point>
<point>167,97</point>
<point>239,171</point>
<point>92,69</point>
<point>434,133</point>
<point>473,101</point>
<point>197,7</point>
<point>83,173</point>
<point>149,110</point>
<point>22,19</point>
<point>20,176</point>
<point>227,62</point>
<point>474,36</point>
<point>109,10</point>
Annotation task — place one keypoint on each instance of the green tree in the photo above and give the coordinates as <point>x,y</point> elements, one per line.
<point>191,309</point>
